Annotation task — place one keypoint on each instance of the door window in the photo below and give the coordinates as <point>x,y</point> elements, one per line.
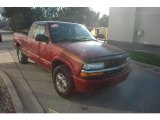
<point>40,30</point>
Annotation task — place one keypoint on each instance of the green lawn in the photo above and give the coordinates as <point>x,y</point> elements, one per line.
<point>149,58</point>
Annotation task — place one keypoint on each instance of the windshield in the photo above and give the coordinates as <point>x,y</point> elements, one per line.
<point>69,32</point>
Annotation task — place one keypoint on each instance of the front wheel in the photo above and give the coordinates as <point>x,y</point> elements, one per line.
<point>62,81</point>
<point>23,59</point>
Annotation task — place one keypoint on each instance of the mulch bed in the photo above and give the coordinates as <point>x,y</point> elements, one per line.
<point>6,104</point>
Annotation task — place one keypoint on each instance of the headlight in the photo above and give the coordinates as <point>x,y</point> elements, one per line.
<point>128,58</point>
<point>93,66</point>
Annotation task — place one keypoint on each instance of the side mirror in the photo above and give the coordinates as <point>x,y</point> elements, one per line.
<point>41,38</point>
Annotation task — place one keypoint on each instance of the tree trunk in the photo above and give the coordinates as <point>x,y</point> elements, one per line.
<point>0,38</point>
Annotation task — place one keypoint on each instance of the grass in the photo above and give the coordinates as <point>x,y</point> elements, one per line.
<point>148,58</point>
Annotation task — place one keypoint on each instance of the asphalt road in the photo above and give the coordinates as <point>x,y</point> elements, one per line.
<point>140,93</point>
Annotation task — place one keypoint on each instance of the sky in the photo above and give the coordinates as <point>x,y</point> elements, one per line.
<point>102,10</point>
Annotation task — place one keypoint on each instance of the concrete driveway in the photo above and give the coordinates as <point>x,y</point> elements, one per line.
<point>139,93</point>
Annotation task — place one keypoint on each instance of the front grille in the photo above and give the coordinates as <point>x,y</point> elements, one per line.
<point>110,73</point>
<point>115,62</point>
<point>111,64</point>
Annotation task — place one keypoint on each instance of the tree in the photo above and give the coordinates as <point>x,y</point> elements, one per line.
<point>83,15</point>
<point>45,13</point>
<point>4,22</point>
<point>22,18</point>
<point>103,22</point>
<point>19,18</point>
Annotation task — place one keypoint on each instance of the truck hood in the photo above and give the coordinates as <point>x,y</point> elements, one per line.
<point>90,49</point>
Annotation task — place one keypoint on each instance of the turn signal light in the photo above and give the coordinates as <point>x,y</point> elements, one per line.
<point>83,74</point>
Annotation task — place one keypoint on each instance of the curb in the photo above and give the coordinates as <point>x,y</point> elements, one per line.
<point>13,93</point>
<point>148,67</point>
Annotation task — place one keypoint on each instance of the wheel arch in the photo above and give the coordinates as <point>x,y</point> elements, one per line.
<point>17,44</point>
<point>57,62</point>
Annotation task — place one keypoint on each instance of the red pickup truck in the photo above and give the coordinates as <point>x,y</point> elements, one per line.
<point>77,60</point>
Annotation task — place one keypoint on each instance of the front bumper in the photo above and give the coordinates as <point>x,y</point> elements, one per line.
<point>84,85</point>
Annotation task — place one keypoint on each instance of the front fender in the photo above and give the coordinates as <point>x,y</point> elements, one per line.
<point>64,61</point>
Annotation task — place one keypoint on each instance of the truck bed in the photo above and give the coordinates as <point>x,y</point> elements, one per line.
<point>18,38</point>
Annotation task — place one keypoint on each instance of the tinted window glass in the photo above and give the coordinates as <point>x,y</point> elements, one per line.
<point>67,32</point>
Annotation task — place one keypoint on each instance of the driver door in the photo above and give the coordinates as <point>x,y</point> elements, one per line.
<point>43,48</point>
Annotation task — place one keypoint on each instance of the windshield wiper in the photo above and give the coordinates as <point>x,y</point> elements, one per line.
<point>82,39</point>
<point>75,39</point>
<point>64,39</point>
<point>86,38</point>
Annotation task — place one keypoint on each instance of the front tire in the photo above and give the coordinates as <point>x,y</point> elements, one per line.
<point>23,59</point>
<point>62,81</point>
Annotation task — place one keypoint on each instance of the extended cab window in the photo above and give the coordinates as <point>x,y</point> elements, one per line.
<point>40,30</point>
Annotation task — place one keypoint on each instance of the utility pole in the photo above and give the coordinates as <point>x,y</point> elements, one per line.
<point>92,19</point>
<point>0,37</point>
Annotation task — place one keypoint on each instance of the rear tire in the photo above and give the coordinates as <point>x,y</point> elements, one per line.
<point>62,81</point>
<point>23,59</point>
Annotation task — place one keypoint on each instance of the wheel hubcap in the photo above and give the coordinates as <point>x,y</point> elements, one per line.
<point>61,82</point>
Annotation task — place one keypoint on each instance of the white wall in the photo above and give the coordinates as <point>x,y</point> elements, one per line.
<point>125,22</point>
<point>149,22</point>
<point>121,24</point>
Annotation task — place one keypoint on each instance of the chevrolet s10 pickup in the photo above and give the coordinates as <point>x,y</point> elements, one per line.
<point>77,60</point>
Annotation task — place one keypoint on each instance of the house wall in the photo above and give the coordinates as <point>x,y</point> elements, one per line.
<point>135,25</point>
<point>121,24</point>
<point>149,23</point>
